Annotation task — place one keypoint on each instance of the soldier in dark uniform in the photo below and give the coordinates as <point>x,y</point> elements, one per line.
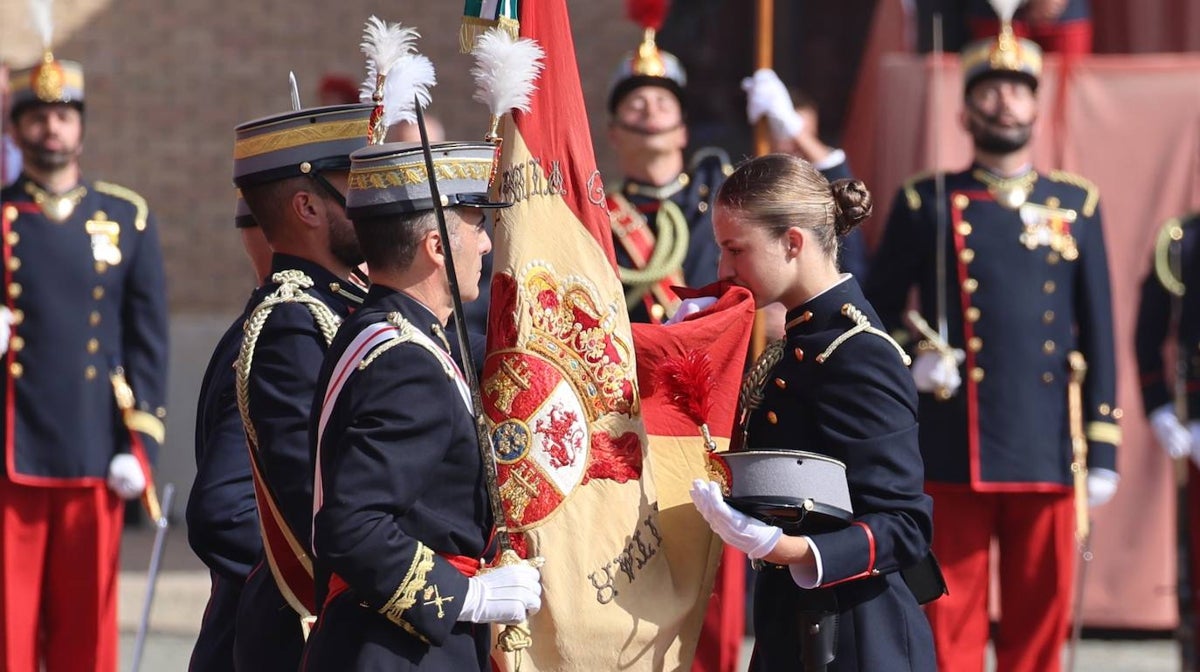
<point>662,227</point>
<point>1025,283</point>
<point>1171,398</point>
<point>85,370</point>
<point>222,519</point>
<point>402,520</point>
<point>836,385</point>
<point>292,171</point>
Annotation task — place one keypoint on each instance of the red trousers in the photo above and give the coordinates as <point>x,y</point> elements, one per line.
<point>1036,537</point>
<point>58,587</point>
<point>724,625</point>
<point>1069,38</point>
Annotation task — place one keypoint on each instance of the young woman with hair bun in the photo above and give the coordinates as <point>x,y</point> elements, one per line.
<point>839,386</point>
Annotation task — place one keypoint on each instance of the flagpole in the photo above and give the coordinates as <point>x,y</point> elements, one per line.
<point>763,58</point>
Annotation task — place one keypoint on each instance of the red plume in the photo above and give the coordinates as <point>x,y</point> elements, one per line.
<point>647,13</point>
<point>688,379</point>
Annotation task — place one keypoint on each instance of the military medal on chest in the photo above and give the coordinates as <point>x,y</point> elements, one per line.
<point>1049,226</point>
<point>106,238</point>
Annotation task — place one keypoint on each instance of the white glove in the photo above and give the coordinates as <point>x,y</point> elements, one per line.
<point>688,307</point>
<point>767,96</point>
<point>1194,446</point>
<point>932,371</point>
<point>506,595</point>
<point>5,327</point>
<point>125,476</point>
<point>752,537</point>
<point>1172,436</point>
<point>1101,486</point>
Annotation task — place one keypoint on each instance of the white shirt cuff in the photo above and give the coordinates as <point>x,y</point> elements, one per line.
<point>804,576</point>
<point>834,158</point>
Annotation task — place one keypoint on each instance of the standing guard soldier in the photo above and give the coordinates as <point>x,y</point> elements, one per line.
<point>402,520</point>
<point>222,518</point>
<point>292,170</point>
<point>85,381</point>
<point>1168,309</point>
<point>1024,282</point>
<point>661,219</point>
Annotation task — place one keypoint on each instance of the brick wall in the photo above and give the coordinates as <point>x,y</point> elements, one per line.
<point>168,81</point>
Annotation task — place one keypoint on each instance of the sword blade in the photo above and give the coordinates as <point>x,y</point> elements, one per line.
<point>160,537</point>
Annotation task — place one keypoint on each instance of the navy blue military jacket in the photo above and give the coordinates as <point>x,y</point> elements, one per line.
<point>283,375</point>
<point>221,514</point>
<point>692,194</point>
<point>222,519</point>
<point>88,300</point>
<point>1024,287</point>
<point>841,388</point>
<point>403,489</point>
<point>1174,270</point>
<point>854,401</point>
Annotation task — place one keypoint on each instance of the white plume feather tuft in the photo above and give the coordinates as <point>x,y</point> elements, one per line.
<point>411,78</point>
<point>505,70</point>
<point>384,43</point>
<point>41,14</point>
<point>1005,9</point>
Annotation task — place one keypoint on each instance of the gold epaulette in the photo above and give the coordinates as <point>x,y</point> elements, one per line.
<point>862,325</point>
<point>910,188</point>
<point>1093,193</point>
<point>127,194</point>
<point>1171,233</point>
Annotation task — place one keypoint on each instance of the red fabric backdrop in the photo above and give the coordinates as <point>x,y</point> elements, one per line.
<point>1132,125</point>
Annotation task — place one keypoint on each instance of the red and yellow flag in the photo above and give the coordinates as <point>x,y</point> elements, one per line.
<point>629,563</point>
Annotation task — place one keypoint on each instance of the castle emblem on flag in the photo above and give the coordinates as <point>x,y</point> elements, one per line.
<point>544,393</point>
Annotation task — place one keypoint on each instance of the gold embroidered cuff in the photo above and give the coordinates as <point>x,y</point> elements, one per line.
<point>408,590</point>
<point>146,423</point>
<point>1103,432</point>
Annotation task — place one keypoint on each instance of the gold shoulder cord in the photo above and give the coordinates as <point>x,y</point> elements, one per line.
<point>139,221</point>
<point>670,249</point>
<point>292,284</point>
<point>1169,235</point>
<point>1093,193</point>
<point>862,324</point>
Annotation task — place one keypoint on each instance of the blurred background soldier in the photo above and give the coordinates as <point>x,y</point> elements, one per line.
<point>85,389</point>
<point>1025,281</point>
<point>1168,311</point>
<point>294,181</point>
<point>662,227</point>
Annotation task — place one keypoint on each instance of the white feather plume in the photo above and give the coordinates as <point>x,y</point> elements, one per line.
<point>505,70</point>
<point>384,43</point>
<point>1005,9</point>
<point>41,14</point>
<point>411,78</point>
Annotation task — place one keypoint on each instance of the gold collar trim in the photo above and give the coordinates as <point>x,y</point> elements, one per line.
<point>658,193</point>
<point>1010,192</point>
<point>56,207</point>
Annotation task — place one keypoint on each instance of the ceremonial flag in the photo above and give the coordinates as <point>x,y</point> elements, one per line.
<point>629,563</point>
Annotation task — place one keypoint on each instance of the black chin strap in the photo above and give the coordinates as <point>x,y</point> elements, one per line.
<point>638,130</point>
<point>329,189</point>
